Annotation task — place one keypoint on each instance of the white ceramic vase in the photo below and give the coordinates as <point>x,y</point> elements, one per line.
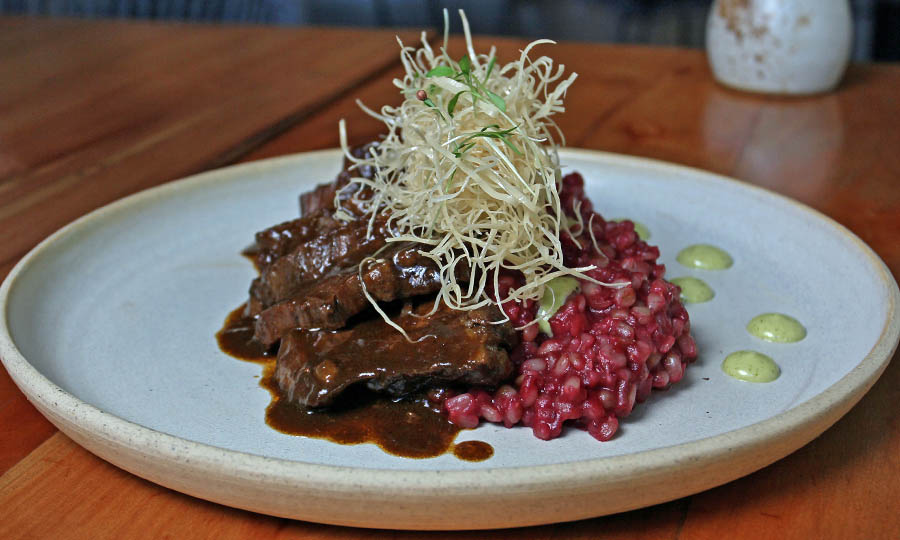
<point>779,46</point>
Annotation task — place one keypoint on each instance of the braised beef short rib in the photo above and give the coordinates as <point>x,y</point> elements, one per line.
<point>399,271</point>
<point>292,255</point>
<point>468,347</point>
<point>314,275</point>
<point>309,268</point>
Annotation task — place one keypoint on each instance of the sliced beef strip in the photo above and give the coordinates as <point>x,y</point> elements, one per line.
<point>317,256</point>
<point>322,197</point>
<point>400,271</point>
<point>292,253</point>
<point>316,211</point>
<point>281,239</point>
<point>468,347</point>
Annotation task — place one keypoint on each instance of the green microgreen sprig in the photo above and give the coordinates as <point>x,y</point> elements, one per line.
<point>478,91</point>
<point>476,87</point>
<point>465,143</point>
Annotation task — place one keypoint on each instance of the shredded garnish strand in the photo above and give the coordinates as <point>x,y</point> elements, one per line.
<point>469,168</point>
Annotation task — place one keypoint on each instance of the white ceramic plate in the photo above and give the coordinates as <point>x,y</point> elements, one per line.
<point>107,326</point>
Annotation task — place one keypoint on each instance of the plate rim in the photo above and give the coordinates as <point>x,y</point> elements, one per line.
<point>818,412</point>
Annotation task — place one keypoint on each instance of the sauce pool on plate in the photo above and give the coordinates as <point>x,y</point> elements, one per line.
<point>236,338</point>
<point>411,427</point>
<point>473,450</point>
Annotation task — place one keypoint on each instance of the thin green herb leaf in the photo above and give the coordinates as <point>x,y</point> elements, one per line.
<point>462,149</point>
<point>427,101</point>
<point>496,100</point>
<point>503,132</point>
<point>465,144</point>
<point>450,180</point>
<point>441,71</point>
<point>489,69</point>
<point>489,135</point>
<point>511,145</point>
<point>452,105</point>
<point>465,65</point>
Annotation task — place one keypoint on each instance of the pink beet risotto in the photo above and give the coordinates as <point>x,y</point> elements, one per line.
<point>610,346</point>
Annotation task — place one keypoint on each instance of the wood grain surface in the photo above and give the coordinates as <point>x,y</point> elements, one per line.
<point>93,111</point>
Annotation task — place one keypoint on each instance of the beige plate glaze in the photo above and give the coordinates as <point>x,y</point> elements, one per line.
<point>107,326</point>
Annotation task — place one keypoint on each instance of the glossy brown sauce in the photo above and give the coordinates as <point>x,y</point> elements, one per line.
<point>473,450</point>
<point>251,252</point>
<point>410,428</point>
<point>236,338</point>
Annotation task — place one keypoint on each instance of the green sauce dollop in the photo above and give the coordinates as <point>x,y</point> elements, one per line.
<point>693,290</point>
<point>704,256</point>
<point>639,228</point>
<point>751,366</point>
<point>776,327</point>
<point>555,294</point>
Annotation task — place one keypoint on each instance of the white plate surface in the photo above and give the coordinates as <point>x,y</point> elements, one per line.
<point>108,325</point>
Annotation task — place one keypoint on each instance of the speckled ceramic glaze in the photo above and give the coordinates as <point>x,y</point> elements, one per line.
<point>108,325</point>
<point>779,46</point>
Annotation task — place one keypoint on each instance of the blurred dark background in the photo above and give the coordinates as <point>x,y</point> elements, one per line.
<point>660,22</point>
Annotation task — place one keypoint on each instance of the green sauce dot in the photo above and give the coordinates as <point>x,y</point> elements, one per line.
<point>639,228</point>
<point>751,366</point>
<point>704,256</point>
<point>556,292</point>
<point>693,290</point>
<point>776,327</point>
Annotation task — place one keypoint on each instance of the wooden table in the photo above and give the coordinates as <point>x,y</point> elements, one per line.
<point>93,111</point>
